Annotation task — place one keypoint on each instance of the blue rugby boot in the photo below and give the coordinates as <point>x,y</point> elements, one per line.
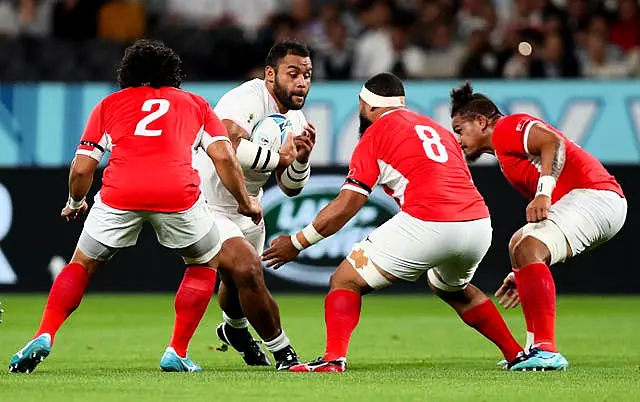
<point>541,360</point>
<point>173,363</point>
<point>34,352</point>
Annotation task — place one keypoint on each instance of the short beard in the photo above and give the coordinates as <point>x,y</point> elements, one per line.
<point>472,158</point>
<point>364,124</point>
<point>285,98</point>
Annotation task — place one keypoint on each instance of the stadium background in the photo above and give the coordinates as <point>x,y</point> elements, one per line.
<point>57,59</point>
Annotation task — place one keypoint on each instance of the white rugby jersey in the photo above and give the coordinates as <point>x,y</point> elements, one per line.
<point>246,105</point>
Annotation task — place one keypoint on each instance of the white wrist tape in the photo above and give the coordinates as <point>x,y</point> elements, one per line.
<point>307,237</point>
<point>546,184</point>
<point>296,175</point>
<point>255,157</point>
<point>73,204</point>
<point>296,242</point>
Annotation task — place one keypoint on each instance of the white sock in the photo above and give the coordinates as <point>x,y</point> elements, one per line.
<point>278,343</point>
<point>529,342</point>
<point>238,323</point>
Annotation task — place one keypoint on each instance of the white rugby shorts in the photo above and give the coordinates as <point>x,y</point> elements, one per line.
<point>407,247</point>
<point>175,230</point>
<point>233,224</point>
<point>584,218</point>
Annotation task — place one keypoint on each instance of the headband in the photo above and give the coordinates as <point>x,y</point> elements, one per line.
<point>374,100</point>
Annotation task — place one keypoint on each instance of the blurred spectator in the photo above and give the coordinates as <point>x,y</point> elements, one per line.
<point>121,20</point>
<point>597,26</point>
<point>577,14</point>
<point>334,60</point>
<point>555,61</point>
<point>302,14</point>
<point>34,17</point>
<point>348,38</point>
<point>318,29</point>
<point>472,17</point>
<point>625,31</point>
<point>75,19</point>
<point>443,54</point>
<point>387,48</point>
<point>197,13</point>
<point>481,60</point>
<point>8,19</point>
<point>598,65</point>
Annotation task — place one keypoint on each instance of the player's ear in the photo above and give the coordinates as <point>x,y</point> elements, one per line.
<point>269,74</point>
<point>483,122</point>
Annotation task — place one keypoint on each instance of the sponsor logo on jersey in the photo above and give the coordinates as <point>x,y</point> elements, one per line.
<point>284,215</point>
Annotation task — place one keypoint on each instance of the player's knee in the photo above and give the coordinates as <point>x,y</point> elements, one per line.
<point>344,278</point>
<point>247,271</point>
<point>513,242</point>
<point>529,250</point>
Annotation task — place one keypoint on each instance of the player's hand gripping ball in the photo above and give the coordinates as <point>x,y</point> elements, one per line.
<point>275,132</point>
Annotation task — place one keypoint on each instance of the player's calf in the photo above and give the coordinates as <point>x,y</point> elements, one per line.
<point>479,312</point>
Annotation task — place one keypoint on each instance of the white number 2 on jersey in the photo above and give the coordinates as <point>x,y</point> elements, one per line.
<point>431,144</point>
<point>141,127</point>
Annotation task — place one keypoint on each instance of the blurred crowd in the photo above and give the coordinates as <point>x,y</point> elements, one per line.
<point>350,39</point>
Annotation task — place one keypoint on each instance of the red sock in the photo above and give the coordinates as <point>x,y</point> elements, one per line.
<point>341,316</point>
<point>64,297</point>
<point>527,314</point>
<point>191,302</point>
<point>538,297</point>
<point>486,319</point>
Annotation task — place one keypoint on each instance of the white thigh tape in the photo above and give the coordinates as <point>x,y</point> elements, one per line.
<point>366,268</point>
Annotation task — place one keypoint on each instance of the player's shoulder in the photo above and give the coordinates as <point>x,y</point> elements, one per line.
<point>517,122</point>
<point>252,89</point>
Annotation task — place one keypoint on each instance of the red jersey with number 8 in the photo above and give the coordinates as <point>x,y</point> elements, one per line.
<point>152,134</point>
<point>420,164</point>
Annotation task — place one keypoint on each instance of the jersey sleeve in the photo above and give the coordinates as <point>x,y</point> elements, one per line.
<point>95,140</point>
<point>212,129</point>
<point>364,171</point>
<point>242,105</point>
<point>511,134</point>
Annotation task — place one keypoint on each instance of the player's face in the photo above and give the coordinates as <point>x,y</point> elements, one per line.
<point>471,136</point>
<point>292,80</point>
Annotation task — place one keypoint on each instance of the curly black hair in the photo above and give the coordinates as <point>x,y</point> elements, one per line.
<point>467,103</point>
<point>150,62</point>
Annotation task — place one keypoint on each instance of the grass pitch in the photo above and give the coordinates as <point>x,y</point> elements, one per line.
<point>407,348</point>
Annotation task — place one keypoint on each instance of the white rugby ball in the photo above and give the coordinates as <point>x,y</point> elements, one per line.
<point>272,131</point>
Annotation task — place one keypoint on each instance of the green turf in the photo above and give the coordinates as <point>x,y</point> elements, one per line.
<point>405,349</point>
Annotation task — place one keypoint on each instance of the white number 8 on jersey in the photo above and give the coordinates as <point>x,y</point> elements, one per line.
<point>431,144</point>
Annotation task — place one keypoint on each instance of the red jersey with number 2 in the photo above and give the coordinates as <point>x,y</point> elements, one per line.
<point>522,170</point>
<point>420,164</point>
<point>152,134</point>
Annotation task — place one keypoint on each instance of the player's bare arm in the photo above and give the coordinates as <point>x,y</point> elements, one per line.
<point>80,180</point>
<point>292,179</point>
<point>329,220</point>
<point>230,173</point>
<point>550,148</point>
<point>255,157</point>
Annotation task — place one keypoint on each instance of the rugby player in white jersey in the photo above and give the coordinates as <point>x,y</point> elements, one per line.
<point>243,295</point>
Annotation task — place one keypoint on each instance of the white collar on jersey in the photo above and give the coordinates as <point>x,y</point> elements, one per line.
<point>375,100</point>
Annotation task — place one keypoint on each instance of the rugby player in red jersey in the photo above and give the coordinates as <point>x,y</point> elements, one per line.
<point>443,227</point>
<point>152,128</point>
<point>575,205</point>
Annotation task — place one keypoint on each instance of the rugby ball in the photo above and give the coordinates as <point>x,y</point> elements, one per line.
<point>272,131</point>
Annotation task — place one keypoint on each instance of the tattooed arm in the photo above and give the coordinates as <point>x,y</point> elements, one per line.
<point>550,147</point>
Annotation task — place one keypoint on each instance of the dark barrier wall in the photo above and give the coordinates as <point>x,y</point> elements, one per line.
<point>35,243</point>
